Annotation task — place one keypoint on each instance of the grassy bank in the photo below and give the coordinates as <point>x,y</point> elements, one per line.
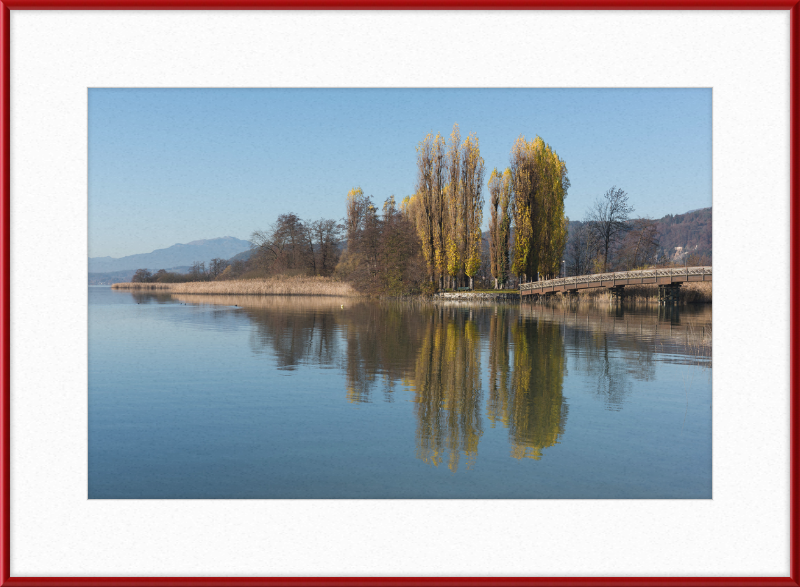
<point>309,286</point>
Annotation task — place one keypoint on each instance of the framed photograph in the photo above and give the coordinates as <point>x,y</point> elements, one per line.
<point>387,293</point>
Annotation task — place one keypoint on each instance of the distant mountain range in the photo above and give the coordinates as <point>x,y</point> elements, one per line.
<point>178,255</point>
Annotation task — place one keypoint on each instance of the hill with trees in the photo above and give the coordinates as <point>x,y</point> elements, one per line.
<point>674,239</point>
<point>690,231</point>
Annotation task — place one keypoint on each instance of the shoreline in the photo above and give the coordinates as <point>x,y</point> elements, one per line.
<point>691,293</point>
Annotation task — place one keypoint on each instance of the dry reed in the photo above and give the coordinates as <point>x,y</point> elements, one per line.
<point>308,286</point>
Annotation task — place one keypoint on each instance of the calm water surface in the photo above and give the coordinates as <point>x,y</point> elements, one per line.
<point>280,397</point>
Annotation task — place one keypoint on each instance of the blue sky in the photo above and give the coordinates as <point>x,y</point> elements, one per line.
<point>169,166</point>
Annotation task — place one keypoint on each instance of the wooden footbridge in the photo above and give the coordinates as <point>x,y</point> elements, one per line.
<point>668,280</point>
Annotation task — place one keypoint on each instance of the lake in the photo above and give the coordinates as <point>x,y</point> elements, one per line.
<point>196,396</point>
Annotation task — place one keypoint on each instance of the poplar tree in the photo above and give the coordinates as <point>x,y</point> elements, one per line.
<point>408,208</point>
<point>500,225</point>
<point>423,203</point>
<point>472,174</point>
<point>504,229</point>
<point>456,245</point>
<point>356,210</point>
<point>495,187</point>
<point>448,205</point>
<point>438,186</point>
<point>431,205</point>
<point>539,183</point>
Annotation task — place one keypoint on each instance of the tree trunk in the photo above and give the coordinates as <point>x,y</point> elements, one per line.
<point>470,283</point>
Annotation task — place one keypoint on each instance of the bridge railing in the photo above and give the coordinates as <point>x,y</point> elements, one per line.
<point>617,275</point>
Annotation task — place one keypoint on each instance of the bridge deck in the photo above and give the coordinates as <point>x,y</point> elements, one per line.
<point>617,279</point>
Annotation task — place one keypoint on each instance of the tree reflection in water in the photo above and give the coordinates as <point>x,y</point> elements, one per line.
<point>435,352</point>
<point>447,390</point>
<point>528,399</point>
<point>537,411</point>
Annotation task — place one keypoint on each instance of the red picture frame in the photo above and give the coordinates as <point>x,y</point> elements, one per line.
<point>5,535</point>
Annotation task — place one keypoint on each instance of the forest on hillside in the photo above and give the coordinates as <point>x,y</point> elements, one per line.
<point>691,230</point>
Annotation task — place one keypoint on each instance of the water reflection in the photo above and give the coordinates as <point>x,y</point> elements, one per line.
<point>436,354</point>
<point>382,341</point>
<point>152,298</point>
<point>536,412</point>
<point>447,390</point>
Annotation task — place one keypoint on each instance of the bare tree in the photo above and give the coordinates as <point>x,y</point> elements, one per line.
<point>291,231</point>
<point>142,276</point>
<point>198,271</point>
<point>216,267</point>
<point>266,251</point>
<point>579,250</point>
<point>640,245</point>
<point>325,237</point>
<point>608,220</point>
<point>285,247</point>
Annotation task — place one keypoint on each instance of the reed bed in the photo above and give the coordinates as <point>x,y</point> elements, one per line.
<point>145,286</point>
<point>696,293</point>
<point>271,302</point>
<point>287,286</point>
<point>309,286</point>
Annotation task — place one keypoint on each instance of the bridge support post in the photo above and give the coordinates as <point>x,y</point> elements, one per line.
<point>668,294</point>
<point>618,293</point>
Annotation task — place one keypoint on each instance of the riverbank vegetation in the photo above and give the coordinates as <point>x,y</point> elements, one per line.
<point>432,240</point>
<point>279,285</point>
